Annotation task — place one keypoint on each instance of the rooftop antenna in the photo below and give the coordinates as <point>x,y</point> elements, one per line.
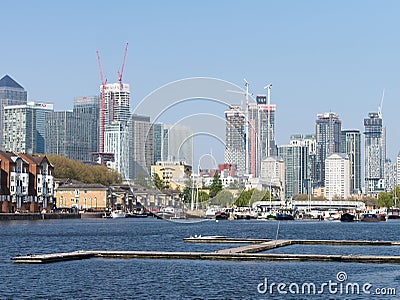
<point>380,106</point>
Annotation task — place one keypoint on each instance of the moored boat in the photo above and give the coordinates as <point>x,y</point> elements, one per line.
<point>284,217</point>
<point>393,213</point>
<point>347,217</point>
<point>118,214</point>
<point>370,218</point>
<point>221,215</point>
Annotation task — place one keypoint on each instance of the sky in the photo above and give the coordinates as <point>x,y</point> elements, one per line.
<point>321,56</point>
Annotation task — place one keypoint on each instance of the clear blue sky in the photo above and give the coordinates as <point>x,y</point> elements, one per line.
<point>321,56</point>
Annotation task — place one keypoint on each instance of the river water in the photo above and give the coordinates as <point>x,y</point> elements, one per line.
<point>192,279</point>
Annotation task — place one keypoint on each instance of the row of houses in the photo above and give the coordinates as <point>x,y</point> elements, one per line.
<point>28,185</point>
<point>27,182</point>
<point>72,194</point>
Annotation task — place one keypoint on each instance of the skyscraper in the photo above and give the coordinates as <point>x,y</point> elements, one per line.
<point>11,93</point>
<point>86,112</point>
<point>140,146</point>
<point>173,143</point>
<point>328,128</point>
<point>73,133</point>
<point>235,152</point>
<point>58,133</point>
<point>115,137</point>
<point>116,107</point>
<point>260,117</point>
<point>295,158</point>
<point>24,127</point>
<point>351,145</point>
<point>375,153</point>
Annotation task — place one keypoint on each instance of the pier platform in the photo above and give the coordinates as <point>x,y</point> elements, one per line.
<point>246,252</point>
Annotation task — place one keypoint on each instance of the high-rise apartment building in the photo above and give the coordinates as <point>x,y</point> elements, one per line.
<point>24,127</point>
<point>116,107</point>
<point>11,93</point>
<point>295,158</point>
<point>310,143</point>
<point>261,133</point>
<point>375,153</point>
<point>337,176</point>
<point>59,133</point>
<point>351,145</point>
<point>115,141</point>
<point>86,114</point>
<point>140,146</point>
<point>235,148</point>
<point>390,175</point>
<point>73,133</point>
<point>328,129</point>
<point>173,143</point>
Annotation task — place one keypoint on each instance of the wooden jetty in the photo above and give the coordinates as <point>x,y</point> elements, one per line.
<point>250,251</point>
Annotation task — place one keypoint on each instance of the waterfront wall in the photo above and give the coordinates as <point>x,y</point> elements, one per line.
<point>47,216</point>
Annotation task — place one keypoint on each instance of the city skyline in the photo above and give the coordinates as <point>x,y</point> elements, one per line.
<point>316,63</point>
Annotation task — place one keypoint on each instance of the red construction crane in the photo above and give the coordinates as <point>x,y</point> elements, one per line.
<point>103,87</point>
<point>122,67</point>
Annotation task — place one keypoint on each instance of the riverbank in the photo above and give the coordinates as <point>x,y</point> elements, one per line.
<point>48,216</point>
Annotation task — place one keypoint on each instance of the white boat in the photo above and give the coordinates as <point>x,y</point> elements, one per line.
<point>118,214</point>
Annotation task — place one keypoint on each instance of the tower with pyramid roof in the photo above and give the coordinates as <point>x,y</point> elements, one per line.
<point>11,93</point>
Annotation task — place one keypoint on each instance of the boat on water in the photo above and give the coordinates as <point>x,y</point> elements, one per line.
<point>347,217</point>
<point>134,214</point>
<point>118,214</point>
<point>370,218</point>
<point>221,215</point>
<point>393,213</point>
<point>284,217</point>
<point>267,215</point>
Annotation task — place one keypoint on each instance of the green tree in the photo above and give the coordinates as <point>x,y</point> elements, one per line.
<point>259,196</point>
<point>187,190</point>
<point>244,198</point>
<point>157,182</point>
<point>224,198</point>
<point>70,169</point>
<point>202,196</point>
<point>385,200</point>
<point>216,185</point>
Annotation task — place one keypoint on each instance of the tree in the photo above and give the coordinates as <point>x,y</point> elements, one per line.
<point>157,182</point>
<point>224,198</point>
<point>202,196</point>
<point>259,196</point>
<point>187,191</point>
<point>216,185</point>
<point>68,168</point>
<point>385,200</point>
<point>244,198</point>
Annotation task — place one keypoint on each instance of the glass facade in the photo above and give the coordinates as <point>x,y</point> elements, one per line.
<point>11,93</point>
<point>375,153</point>
<point>328,130</point>
<point>351,145</point>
